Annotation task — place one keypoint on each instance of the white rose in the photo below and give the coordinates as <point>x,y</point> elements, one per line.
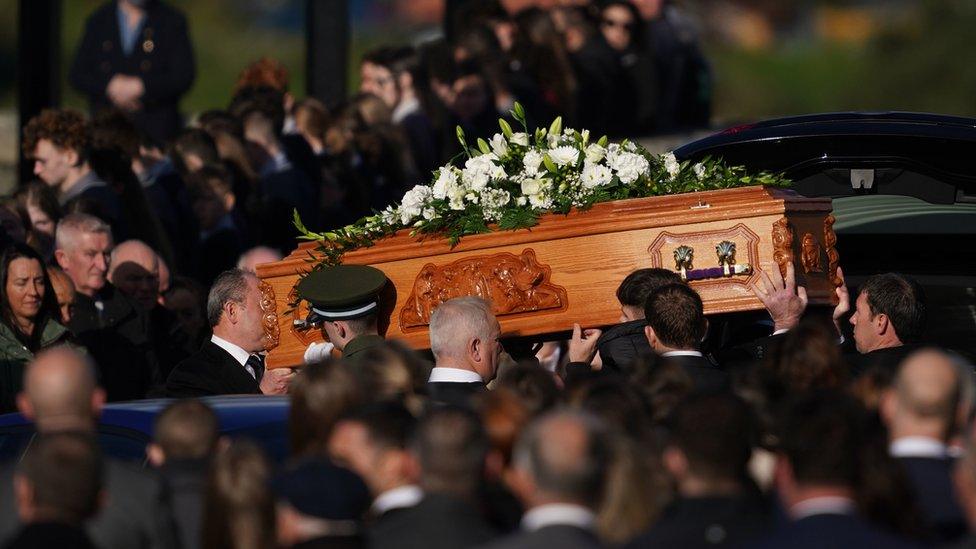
<point>429,213</point>
<point>629,166</point>
<point>446,180</point>
<point>520,138</point>
<point>699,169</point>
<point>413,202</point>
<point>595,175</point>
<point>531,186</point>
<point>521,201</point>
<point>595,153</point>
<point>671,164</point>
<point>389,215</point>
<point>565,155</point>
<point>532,160</point>
<point>498,145</point>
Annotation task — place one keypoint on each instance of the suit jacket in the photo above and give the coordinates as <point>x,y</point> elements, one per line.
<point>707,522</point>
<point>118,336</point>
<point>834,531</point>
<point>439,521</point>
<point>562,536</point>
<point>931,480</point>
<point>184,483</point>
<point>162,58</point>
<point>885,360</point>
<point>134,516</point>
<point>708,377</point>
<point>50,534</point>
<point>621,345</point>
<point>453,393</point>
<point>211,371</point>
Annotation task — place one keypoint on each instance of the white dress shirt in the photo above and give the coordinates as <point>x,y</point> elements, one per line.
<point>239,354</point>
<point>397,498</point>
<point>921,447</point>
<point>453,375</point>
<point>558,514</point>
<point>826,505</point>
<point>683,353</point>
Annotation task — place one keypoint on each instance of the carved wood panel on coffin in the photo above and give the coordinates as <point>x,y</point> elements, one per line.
<point>704,242</point>
<point>514,284</point>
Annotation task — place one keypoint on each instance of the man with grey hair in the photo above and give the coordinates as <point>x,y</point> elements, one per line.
<point>464,339</point>
<point>110,324</point>
<point>61,396</point>
<point>560,462</point>
<point>229,363</point>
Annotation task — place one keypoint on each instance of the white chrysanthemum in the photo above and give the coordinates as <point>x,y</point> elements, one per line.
<point>628,166</point>
<point>540,201</point>
<point>595,175</point>
<point>671,164</point>
<point>520,138</point>
<point>699,170</point>
<point>389,215</point>
<point>447,179</point>
<point>479,170</point>
<point>531,161</point>
<point>498,145</point>
<point>521,201</point>
<point>594,153</point>
<point>429,213</point>
<point>413,203</point>
<point>564,156</point>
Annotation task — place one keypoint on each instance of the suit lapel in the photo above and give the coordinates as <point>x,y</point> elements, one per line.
<point>232,375</point>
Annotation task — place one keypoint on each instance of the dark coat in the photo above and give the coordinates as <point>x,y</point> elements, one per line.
<point>50,534</point>
<point>184,484</point>
<point>707,522</point>
<point>119,341</point>
<point>557,535</point>
<point>14,357</point>
<point>445,393</point>
<point>708,377</point>
<point>621,345</point>
<point>931,481</point>
<point>437,522</point>
<point>359,345</point>
<point>886,361</point>
<point>211,371</point>
<point>104,203</point>
<point>831,530</point>
<point>162,58</point>
<point>134,516</point>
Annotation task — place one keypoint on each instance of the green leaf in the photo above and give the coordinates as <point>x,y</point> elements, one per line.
<point>483,145</point>
<point>556,127</point>
<point>603,141</point>
<point>518,112</point>
<point>506,129</point>
<point>550,165</point>
<point>460,136</point>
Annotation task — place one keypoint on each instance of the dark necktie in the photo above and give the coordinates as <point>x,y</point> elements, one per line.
<point>257,364</point>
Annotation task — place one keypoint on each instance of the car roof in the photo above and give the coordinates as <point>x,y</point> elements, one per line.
<point>234,412</point>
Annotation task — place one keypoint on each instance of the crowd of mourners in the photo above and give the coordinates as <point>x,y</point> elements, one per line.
<point>127,272</point>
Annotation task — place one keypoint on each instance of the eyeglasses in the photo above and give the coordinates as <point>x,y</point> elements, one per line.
<point>619,24</point>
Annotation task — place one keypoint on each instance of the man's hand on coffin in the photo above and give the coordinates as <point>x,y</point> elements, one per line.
<point>276,381</point>
<point>843,302</point>
<point>582,346</point>
<point>784,301</point>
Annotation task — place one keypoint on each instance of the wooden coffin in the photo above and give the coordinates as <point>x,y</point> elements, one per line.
<point>568,267</point>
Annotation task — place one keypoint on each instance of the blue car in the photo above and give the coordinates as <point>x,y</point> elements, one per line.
<point>125,428</point>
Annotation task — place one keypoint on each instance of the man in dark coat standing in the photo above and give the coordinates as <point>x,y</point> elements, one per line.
<point>464,339</point>
<point>136,55</point>
<point>229,363</point>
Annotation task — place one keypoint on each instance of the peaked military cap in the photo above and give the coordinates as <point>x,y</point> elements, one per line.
<point>342,292</point>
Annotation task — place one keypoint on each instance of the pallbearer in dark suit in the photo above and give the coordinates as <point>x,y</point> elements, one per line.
<point>921,411</point>
<point>464,339</point>
<point>136,55</point>
<point>345,301</point>
<point>559,467</point>
<point>229,363</point>
<point>675,328</point>
<point>708,451</point>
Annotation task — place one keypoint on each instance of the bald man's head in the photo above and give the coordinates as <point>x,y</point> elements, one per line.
<point>135,272</point>
<point>60,391</point>
<point>925,395</point>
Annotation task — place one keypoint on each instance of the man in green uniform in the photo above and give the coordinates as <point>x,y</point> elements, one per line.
<point>344,301</point>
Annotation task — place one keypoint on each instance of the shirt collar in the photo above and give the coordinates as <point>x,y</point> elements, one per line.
<point>84,183</point>
<point>826,505</point>
<point>404,109</point>
<point>453,375</point>
<point>923,447</point>
<point>683,353</point>
<point>397,498</point>
<point>239,354</point>
<point>557,514</point>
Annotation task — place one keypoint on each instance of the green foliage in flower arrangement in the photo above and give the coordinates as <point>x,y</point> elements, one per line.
<point>507,182</point>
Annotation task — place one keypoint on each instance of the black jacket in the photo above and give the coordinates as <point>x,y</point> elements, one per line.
<point>708,377</point>
<point>50,534</point>
<point>621,345</point>
<point>831,530</point>
<point>438,521</point>
<point>708,522</point>
<point>184,483</point>
<point>931,482</point>
<point>884,361</point>
<point>118,336</point>
<point>563,536</point>
<point>445,393</point>
<point>211,371</point>
<point>162,58</point>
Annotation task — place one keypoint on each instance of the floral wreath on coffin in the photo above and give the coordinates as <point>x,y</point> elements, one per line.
<point>511,180</point>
